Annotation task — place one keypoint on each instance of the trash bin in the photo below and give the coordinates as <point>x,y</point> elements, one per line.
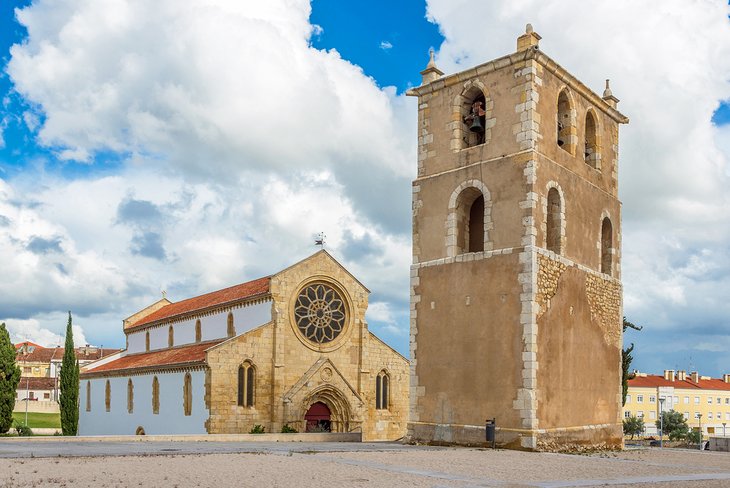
<point>492,431</point>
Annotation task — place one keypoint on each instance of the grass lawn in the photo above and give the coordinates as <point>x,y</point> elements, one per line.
<point>39,420</point>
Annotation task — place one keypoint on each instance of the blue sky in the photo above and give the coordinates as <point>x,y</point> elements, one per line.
<point>194,130</point>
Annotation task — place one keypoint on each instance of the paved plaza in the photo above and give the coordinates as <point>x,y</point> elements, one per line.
<point>283,464</point>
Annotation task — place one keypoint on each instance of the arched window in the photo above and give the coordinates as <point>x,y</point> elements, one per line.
<point>188,395</point>
<point>473,116</point>
<point>155,395</point>
<point>591,153</point>
<point>88,396</point>
<point>170,337</point>
<point>554,225</point>
<point>470,224</point>
<point>566,126</point>
<point>147,340</point>
<point>130,396</point>
<point>108,396</point>
<point>198,331</point>
<point>246,384</point>
<point>231,327</point>
<point>607,247</point>
<point>382,385</point>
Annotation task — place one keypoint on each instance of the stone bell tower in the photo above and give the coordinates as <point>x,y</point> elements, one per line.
<point>516,310</point>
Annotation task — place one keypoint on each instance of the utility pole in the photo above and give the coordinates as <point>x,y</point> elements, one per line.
<point>661,421</point>
<point>699,419</point>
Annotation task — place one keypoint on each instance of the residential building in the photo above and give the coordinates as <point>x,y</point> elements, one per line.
<point>702,400</point>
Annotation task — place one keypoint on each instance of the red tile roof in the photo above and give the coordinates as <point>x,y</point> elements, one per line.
<point>165,358</point>
<point>235,293</point>
<point>654,381</point>
<point>48,354</point>
<point>31,383</point>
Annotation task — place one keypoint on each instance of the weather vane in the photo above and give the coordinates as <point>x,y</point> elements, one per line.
<point>319,240</point>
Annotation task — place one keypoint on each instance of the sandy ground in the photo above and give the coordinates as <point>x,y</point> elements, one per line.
<point>458,467</point>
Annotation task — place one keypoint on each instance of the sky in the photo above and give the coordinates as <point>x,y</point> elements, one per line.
<point>159,146</point>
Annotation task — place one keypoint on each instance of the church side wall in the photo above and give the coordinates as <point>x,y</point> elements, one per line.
<point>213,326</point>
<point>226,416</point>
<point>118,421</point>
<point>388,423</point>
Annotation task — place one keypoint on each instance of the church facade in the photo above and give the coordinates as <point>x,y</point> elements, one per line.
<point>291,349</point>
<point>516,298</point>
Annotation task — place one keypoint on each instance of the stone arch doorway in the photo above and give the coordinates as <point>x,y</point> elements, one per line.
<point>334,402</point>
<point>318,418</point>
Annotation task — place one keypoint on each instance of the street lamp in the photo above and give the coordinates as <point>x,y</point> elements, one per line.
<point>661,421</point>
<point>723,428</point>
<point>699,419</point>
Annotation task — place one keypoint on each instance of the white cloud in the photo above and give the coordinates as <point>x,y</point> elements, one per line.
<point>35,330</point>
<point>386,45</point>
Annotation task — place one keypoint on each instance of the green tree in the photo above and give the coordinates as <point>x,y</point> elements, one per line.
<point>675,425</point>
<point>694,436</point>
<point>626,359</point>
<point>633,426</point>
<point>69,385</point>
<point>9,379</point>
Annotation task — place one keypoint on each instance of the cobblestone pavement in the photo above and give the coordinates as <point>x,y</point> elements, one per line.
<point>272,464</point>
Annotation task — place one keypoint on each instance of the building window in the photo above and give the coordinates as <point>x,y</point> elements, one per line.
<point>130,396</point>
<point>709,415</point>
<point>640,413</point>
<point>554,224</point>
<point>155,395</point>
<point>628,398</point>
<point>147,341</point>
<point>697,415</point>
<point>639,398</point>
<point>246,384</point>
<point>727,401</point>
<point>652,415</point>
<point>198,331</point>
<point>188,395</point>
<point>566,128</point>
<point>46,396</point>
<point>697,400</point>
<point>88,396</point>
<point>719,400</point>
<point>606,247</point>
<point>470,223</point>
<point>231,327</point>
<point>652,399</point>
<point>591,153</point>
<point>676,400</point>
<point>686,400</point>
<point>108,396</point>
<point>686,415</point>
<point>170,337</point>
<point>382,387</point>
<point>727,416</point>
<point>709,400</point>
<point>627,414</point>
<point>474,117</point>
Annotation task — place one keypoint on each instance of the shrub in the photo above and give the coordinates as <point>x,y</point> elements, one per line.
<point>288,430</point>
<point>23,430</point>
<point>257,429</point>
<point>693,436</point>
<point>633,426</point>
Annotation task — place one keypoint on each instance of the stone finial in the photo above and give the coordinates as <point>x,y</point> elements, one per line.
<point>608,95</point>
<point>431,73</point>
<point>528,39</point>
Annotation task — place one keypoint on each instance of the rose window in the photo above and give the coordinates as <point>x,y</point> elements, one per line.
<point>319,313</point>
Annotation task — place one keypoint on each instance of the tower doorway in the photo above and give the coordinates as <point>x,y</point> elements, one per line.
<point>317,418</point>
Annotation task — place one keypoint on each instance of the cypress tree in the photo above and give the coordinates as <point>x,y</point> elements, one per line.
<point>9,379</point>
<point>69,399</point>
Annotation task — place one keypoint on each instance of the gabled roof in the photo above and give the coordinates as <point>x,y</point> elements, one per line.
<point>31,383</point>
<point>236,293</point>
<point>655,381</point>
<point>165,358</point>
<point>48,354</point>
<point>331,258</point>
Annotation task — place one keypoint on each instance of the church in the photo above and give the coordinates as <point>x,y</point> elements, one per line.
<point>291,349</point>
